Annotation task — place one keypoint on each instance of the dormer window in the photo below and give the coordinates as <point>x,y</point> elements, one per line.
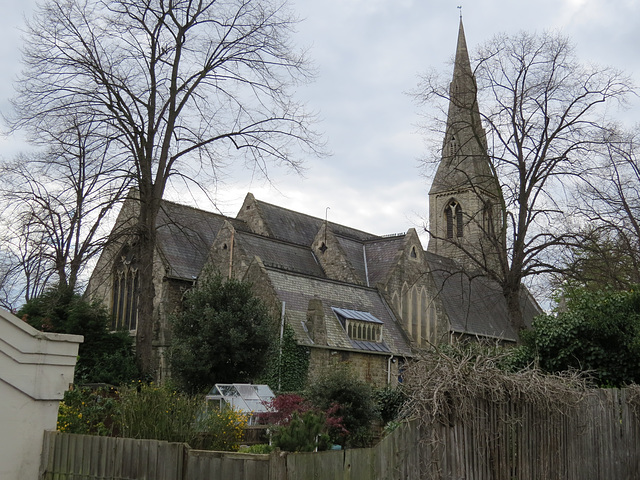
<point>360,326</point>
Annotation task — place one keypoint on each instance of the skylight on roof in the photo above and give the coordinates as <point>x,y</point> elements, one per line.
<point>347,314</point>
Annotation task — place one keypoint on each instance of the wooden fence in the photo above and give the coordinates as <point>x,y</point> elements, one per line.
<point>599,439</point>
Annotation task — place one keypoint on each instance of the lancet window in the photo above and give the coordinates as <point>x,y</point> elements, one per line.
<point>453,216</point>
<point>124,304</point>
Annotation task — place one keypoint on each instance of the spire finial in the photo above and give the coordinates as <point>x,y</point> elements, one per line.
<point>460,8</point>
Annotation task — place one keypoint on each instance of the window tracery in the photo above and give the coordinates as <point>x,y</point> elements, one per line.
<point>124,304</point>
<point>453,216</point>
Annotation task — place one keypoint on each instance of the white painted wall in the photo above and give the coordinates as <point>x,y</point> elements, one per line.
<point>36,369</point>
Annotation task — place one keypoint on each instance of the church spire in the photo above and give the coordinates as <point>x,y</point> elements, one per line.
<point>465,196</point>
<point>464,150</point>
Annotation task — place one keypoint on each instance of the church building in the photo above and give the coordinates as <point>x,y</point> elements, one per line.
<point>348,295</point>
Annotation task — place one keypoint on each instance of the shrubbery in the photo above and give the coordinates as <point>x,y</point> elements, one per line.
<point>89,411</point>
<point>353,400</point>
<point>141,410</point>
<point>103,357</point>
<point>222,335</point>
<point>344,405</point>
<point>598,332</point>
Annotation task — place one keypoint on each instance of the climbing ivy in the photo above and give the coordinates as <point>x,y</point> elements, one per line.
<point>287,369</point>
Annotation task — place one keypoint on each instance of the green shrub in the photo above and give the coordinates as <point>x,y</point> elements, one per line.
<point>103,357</point>
<point>89,411</point>
<point>346,396</point>
<point>303,433</point>
<point>222,335</point>
<point>389,402</point>
<point>159,412</point>
<point>222,430</point>
<point>599,332</point>
<point>261,448</point>
<point>162,413</point>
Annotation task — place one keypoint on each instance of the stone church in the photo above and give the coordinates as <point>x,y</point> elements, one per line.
<point>349,295</point>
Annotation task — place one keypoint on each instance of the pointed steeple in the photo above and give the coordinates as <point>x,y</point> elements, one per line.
<point>465,200</point>
<point>464,150</point>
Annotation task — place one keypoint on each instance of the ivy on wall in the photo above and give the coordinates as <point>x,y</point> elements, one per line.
<point>288,368</point>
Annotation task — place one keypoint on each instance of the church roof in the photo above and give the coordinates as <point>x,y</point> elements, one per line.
<point>382,256</point>
<point>475,305</point>
<point>300,228</point>
<point>297,290</point>
<point>279,254</point>
<point>185,235</point>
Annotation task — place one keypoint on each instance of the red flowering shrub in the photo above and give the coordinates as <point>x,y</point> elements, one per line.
<point>282,407</point>
<point>285,408</point>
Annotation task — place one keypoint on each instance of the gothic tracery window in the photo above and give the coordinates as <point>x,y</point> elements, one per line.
<point>124,304</point>
<point>453,216</point>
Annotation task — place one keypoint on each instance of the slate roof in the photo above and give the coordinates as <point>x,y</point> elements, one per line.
<point>296,291</point>
<point>185,235</point>
<point>354,251</point>
<point>474,305</point>
<point>296,227</point>
<point>382,256</point>
<point>276,253</point>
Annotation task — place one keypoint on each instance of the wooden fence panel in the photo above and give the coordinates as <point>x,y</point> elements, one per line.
<point>599,439</point>
<point>205,465</point>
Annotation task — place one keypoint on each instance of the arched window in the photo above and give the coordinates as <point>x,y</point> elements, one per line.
<point>453,216</point>
<point>453,146</point>
<point>124,304</point>
<point>487,217</point>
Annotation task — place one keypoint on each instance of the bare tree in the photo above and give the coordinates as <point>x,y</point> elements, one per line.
<point>176,86</point>
<point>608,217</point>
<point>54,207</point>
<point>544,113</point>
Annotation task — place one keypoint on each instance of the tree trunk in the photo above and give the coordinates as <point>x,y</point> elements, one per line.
<point>149,207</point>
<point>514,307</point>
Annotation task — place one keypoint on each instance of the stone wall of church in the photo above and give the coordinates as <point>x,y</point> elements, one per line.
<point>250,214</point>
<point>475,238</point>
<point>332,257</point>
<point>374,369</point>
<point>171,294</point>
<point>412,294</point>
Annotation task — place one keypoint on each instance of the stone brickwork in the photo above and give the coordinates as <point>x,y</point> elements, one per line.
<point>410,290</point>
<point>332,257</point>
<point>251,215</point>
<point>373,369</point>
<point>466,179</point>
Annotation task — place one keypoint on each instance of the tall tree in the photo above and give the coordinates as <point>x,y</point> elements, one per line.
<point>544,113</point>
<point>54,205</point>
<point>176,86</point>
<point>608,212</point>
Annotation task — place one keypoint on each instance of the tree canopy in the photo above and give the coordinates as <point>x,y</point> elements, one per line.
<point>176,88</point>
<point>545,114</point>
<point>596,332</point>
<point>222,335</point>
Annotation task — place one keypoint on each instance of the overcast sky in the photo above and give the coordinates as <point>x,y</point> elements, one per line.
<point>368,54</point>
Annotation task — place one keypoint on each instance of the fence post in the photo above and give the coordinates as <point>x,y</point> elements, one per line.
<point>46,459</point>
<point>278,465</point>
